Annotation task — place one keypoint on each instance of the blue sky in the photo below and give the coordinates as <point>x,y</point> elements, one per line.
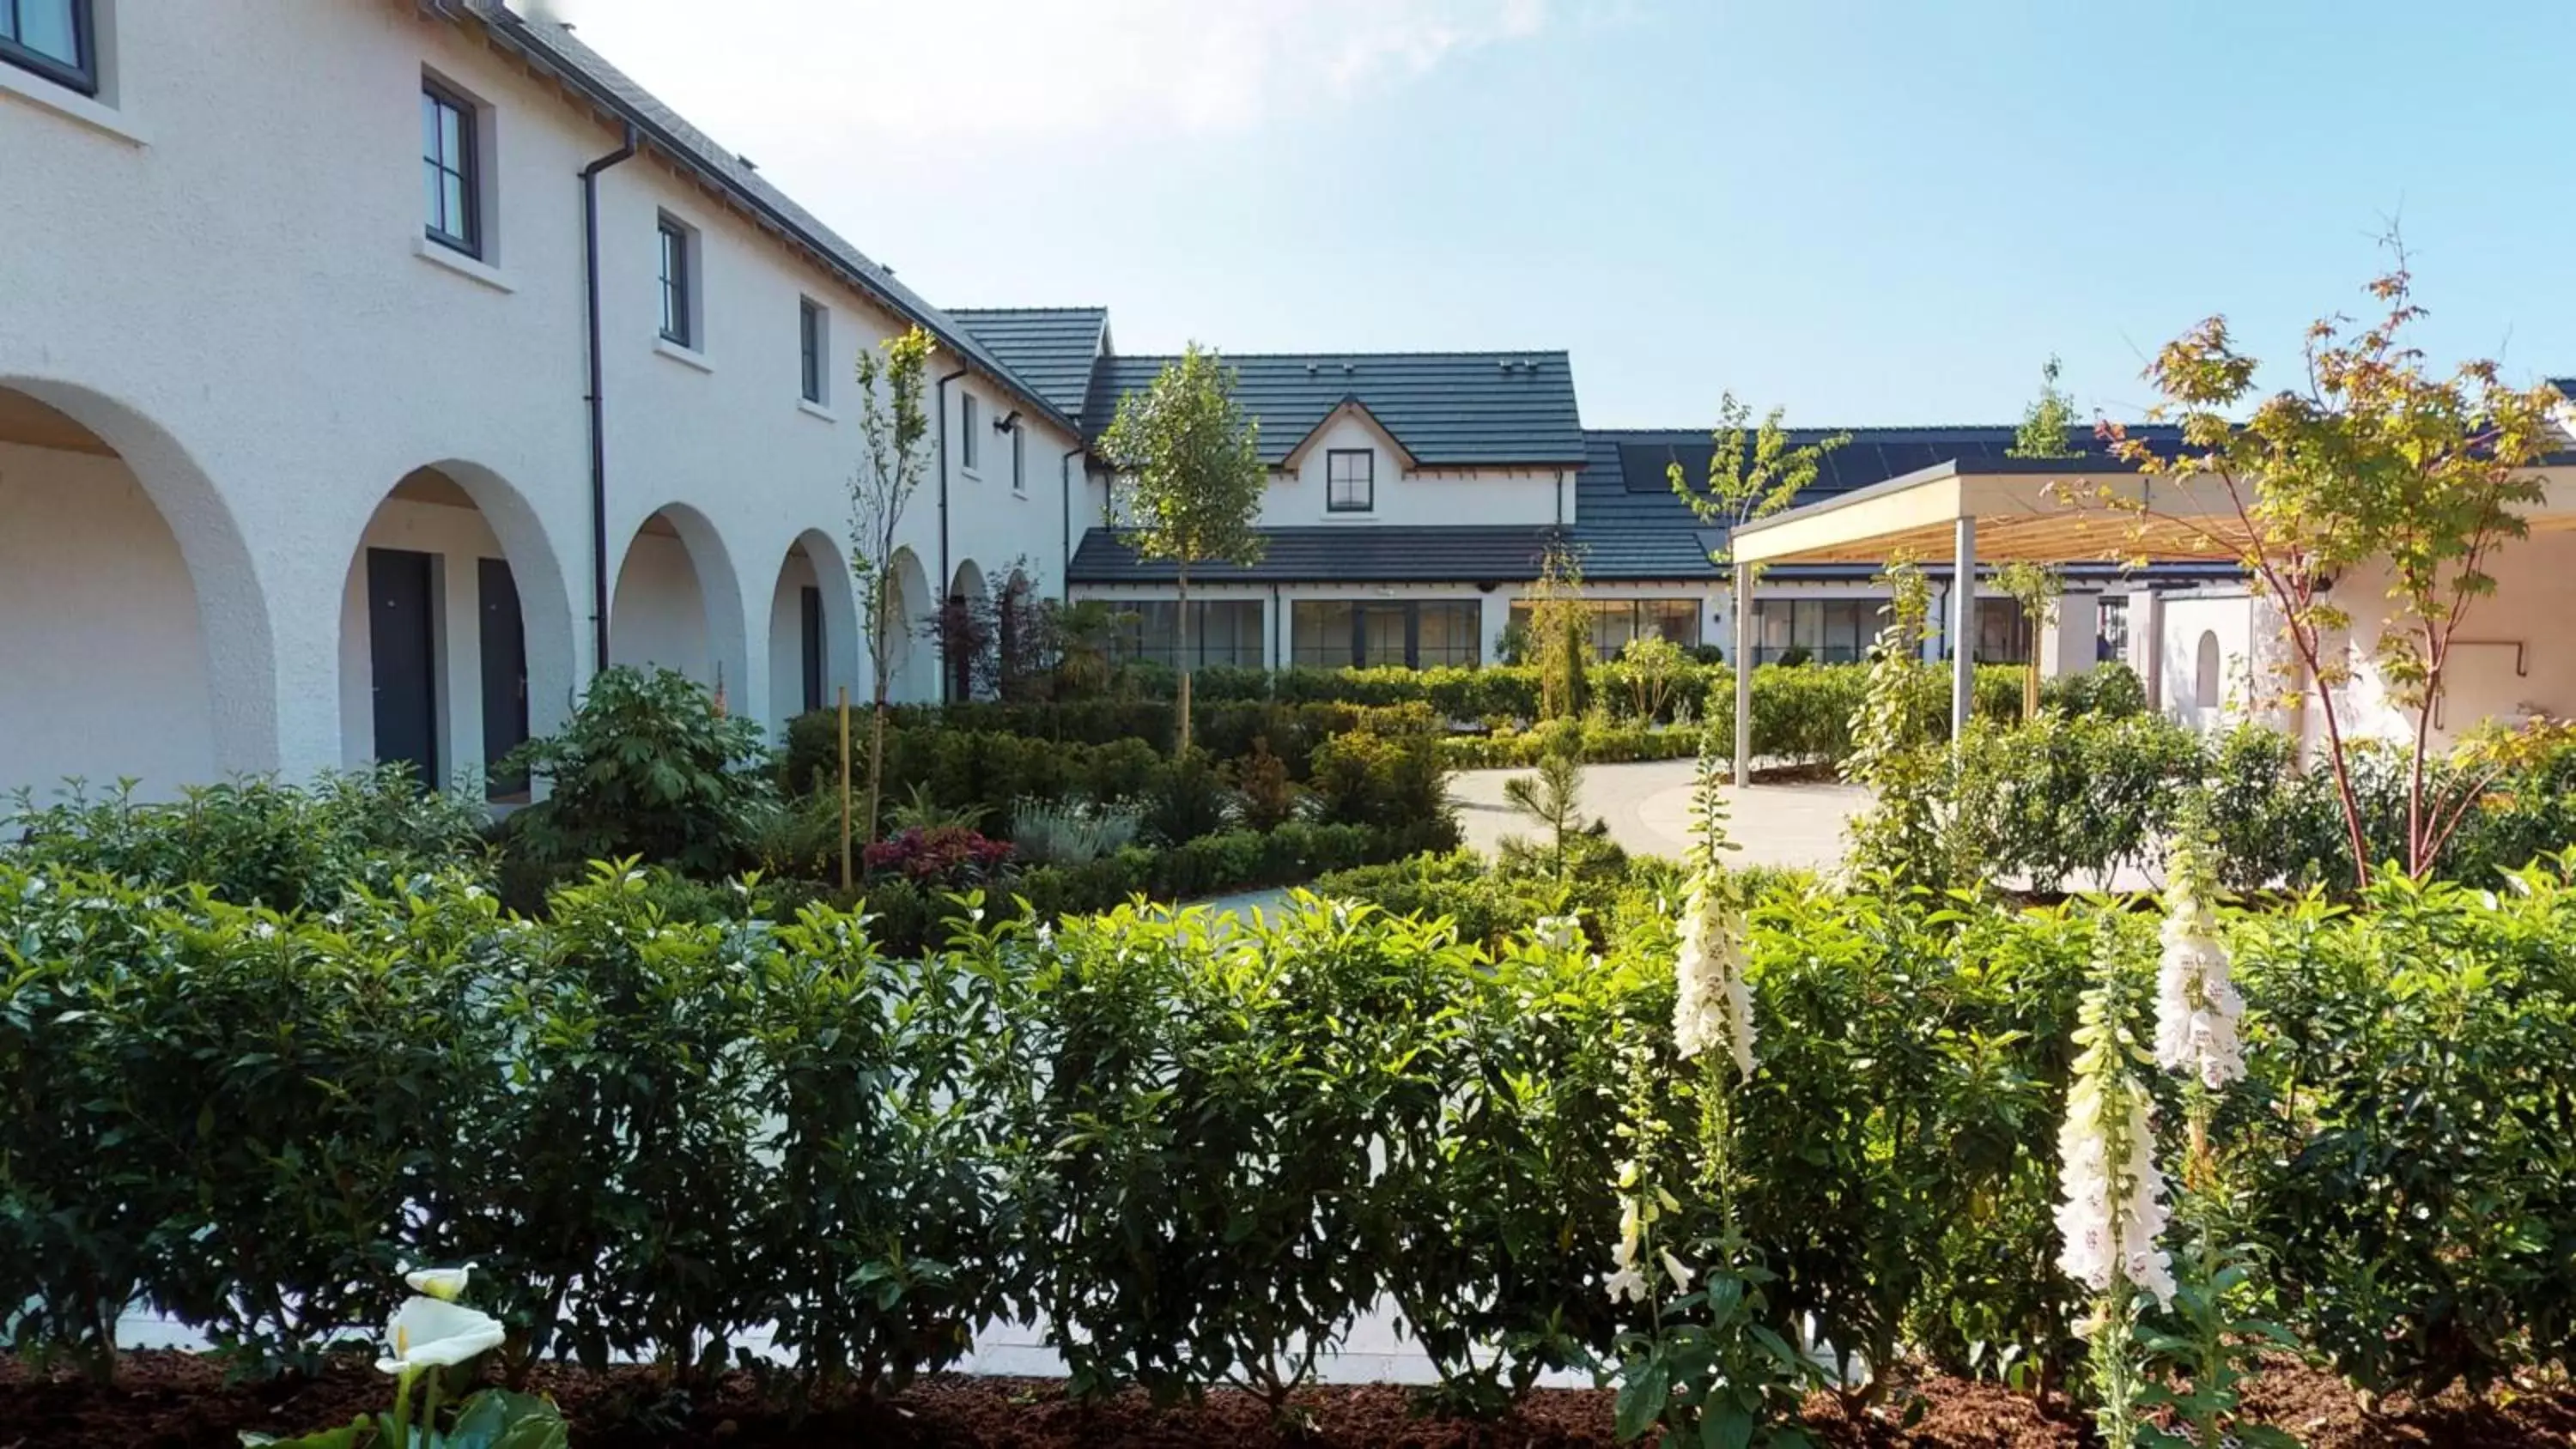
<point>1880,212</point>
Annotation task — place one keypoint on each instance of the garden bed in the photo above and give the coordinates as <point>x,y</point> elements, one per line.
<point>182,1401</point>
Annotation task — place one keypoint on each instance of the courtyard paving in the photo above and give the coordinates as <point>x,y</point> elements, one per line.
<point>1648,807</point>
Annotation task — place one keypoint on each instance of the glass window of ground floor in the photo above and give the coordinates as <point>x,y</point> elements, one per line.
<point>1615,622</point>
<point>1223,632</point>
<point>1412,633</point>
<point>1814,631</point>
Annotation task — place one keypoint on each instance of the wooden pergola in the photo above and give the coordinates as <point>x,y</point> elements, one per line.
<point>2037,510</point>
<point>1989,511</point>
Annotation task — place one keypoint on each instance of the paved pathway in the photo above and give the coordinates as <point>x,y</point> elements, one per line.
<point>1648,807</point>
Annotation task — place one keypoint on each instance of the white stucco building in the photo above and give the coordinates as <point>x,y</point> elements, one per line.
<point>297,397</point>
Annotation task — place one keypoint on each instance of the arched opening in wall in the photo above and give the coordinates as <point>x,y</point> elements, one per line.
<point>456,631</point>
<point>813,630</point>
<point>912,668</point>
<point>966,644</point>
<point>134,640</point>
<point>678,604</point>
<point>2204,672</point>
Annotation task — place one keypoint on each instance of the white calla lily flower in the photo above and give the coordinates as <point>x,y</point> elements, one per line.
<point>444,1284</point>
<point>433,1333</point>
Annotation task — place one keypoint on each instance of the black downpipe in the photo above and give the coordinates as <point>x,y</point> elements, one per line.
<point>1064,477</point>
<point>947,584</point>
<point>596,399</point>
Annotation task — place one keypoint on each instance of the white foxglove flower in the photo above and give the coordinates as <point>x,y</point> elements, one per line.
<point>443,1284</point>
<point>1674,1269</point>
<point>1628,1285</point>
<point>2113,1206</point>
<point>2197,1005</point>
<point>1558,933</point>
<point>433,1333</point>
<point>1712,1005</point>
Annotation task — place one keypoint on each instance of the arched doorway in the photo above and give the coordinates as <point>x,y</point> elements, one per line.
<point>679,604</point>
<point>1014,630</point>
<point>813,630</point>
<point>966,642</point>
<point>134,635</point>
<point>456,632</point>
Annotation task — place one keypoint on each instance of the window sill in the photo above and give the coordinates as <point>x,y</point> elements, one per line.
<point>816,410</point>
<point>63,101</point>
<point>461,264</point>
<point>686,356</point>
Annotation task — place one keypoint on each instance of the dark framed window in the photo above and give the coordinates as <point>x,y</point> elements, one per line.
<point>971,450</point>
<point>1019,461</point>
<point>1350,480</point>
<point>1344,633</point>
<point>2111,630</point>
<point>1617,622</point>
<point>678,316</point>
<point>2003,632</point>
<point>450,168</point>
<point>813,339</point>
<point>1817,631</point>
<point>57,39</point>
<point>1223,632</point>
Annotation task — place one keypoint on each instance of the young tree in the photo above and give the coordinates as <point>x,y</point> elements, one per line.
<point>1753,472</point>
<point>2035,589</point>
<point>2046,431</point>
<point>1190,480</point>
<point>1560,629</point>
<point>894,433</point>
<point>2048,424</point>
<point>2374,466</point>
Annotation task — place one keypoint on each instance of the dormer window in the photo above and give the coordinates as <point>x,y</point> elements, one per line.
<point>1350,480</point>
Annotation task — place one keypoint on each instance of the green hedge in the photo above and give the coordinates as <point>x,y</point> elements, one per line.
<point>1190,1149</point>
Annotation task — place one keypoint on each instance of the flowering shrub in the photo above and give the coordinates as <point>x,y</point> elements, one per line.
<point>942,855</point>
<point>1198,1156</point>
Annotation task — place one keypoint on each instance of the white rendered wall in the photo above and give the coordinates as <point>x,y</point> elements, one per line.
<point>2227,616</point>
<point>337,353</point>
<point>100,645</point>
<point>659,619</point>
<point>1487,496</point>
<point>2512,659</point>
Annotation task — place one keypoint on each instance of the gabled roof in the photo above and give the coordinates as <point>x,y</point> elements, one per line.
<point>554,47</point>
<point>1448,409</point>
<point>1349,407</point>
<point>1051,348</point>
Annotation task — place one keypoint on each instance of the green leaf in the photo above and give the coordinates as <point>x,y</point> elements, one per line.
<point>499,1419</point>
<point>344,1437</point>
<point>1641,1398</point>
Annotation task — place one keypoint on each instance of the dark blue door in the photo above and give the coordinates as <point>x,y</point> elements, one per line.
<point>505,672</point>
<point>402,635</point>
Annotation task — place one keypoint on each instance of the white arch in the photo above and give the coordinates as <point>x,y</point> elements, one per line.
<point>964,678</point>
<point>678,603</point>
<point>502,511</point>
<point>913,675</point>
<point>235,642</point>
<point>2205,671</point>
<point>814,559</point>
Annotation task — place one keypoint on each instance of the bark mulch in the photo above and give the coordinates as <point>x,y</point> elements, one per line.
<point>183,1402</point>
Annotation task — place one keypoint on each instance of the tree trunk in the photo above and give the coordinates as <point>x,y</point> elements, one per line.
<point>1181,646</point>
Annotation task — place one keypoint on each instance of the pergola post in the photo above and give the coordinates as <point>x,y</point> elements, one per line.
<point>1743,675</point>
<point>1963,629</point>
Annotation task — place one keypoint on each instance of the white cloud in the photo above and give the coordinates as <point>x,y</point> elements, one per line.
<point>909,71</point>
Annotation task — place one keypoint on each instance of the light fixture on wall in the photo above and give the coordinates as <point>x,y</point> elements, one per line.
<point>1007,421</point>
